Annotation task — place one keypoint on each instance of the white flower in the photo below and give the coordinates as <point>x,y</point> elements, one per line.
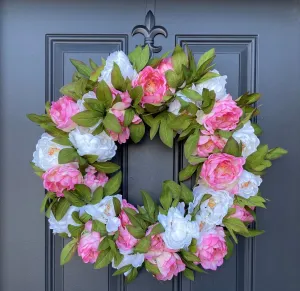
<point>213,210</point>
<point>179,230</point>
<point>248,184</point>
<point>46,153</point>
<point>104,211</point>
<point>100,145</point>
<point>217,84</point>
<point>123,62</point>
<point>247,137</point>
<point>174,107</point>
<point>135,260</point>
<point>62,225</point>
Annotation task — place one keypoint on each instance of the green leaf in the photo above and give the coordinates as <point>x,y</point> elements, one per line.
<point>195,160</point>
<point>103,94</point>
<point>95,105</point>
<point>188,256</point>
<point>84,192</point>
<point>180,122</point>
<point>117,79</point>
<point>209,99</point>
<point>122,270</point>
<point>97,196</point>
<point>105,257</point>
<point>135,231</point>
<point>118,258</point>
<point>192,94</point>
<point>62,207</point>
<point>257,129</point>
<point>85,217</point>
<point>174,80</point>
<point>117,205</point>
<point>129,114</point>
<point>154,127</point>
<point>247,99</point>
<point>207,76</point>
<point>151,268</point>
<point>93,65</point>
<point>110,122</point>
<point>137,131</point>
<point>68,251</point>
<point>194,267</point>
<point>104,245</point>
<point>206,56</point>
<point>48,196</point>
<point>143,245</point>
<point>186,194</point>
<point>139,57</point>
<point>81,67</point>
<point>253,233</point>
<point>179,58</point>
<point>166,133</point>
<point>233,148</point>
<point>38,171</point>
<point>191,144</point>
<point>230,247</point>
<point>87,118</point>
<point>136,95</point>
<point>100,227</point>
<point>53,130</point>
<point>276,153</point>
<point>75,230</point>
<point>157,229</point>
<point>166,199</point>
<point>62,141</point>
<point>91,158</point>
<point>193,246</point>
<point>113,184</point>
<point>98,129</point>
<point>67,155</point>
<point>73,198</point>
<point>189,274</point>
<point>131,276</point>
<point>39,119</point>
<point>187,172</point>
<point>106,167</point>
<point>75,89</point>
<point>236,225</point>
<point>148,203</point>
<point>172,187</point>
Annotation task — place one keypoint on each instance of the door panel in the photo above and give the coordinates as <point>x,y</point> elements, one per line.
<point>257,47</point>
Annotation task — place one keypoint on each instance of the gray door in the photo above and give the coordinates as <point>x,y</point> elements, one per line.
<point>258,47</point>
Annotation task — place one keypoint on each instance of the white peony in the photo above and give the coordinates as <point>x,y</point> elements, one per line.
<point>179,230</point>
<point>217,84</point>
<point>104,211</point>
<point>62,225</point>
<point>135,260</point>
<point>100,145</point>
<point>174,107</point>
<point>213,210</point>
<point>46,153</point>
<point>248,184</point>
<point>247,137</point>
<point>123,62</point>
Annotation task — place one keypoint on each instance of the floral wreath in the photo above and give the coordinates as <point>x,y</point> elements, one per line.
<point>190,230</point>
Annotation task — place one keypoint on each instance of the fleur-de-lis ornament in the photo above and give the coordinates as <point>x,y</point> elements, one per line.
<point>150,30</point>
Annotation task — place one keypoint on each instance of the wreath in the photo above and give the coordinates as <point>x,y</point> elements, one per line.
<point>189,230</point>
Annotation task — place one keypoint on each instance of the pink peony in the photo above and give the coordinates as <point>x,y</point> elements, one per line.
<point>153,83</point>
<point>123,216</point>
<point>125,242</point>
<point>165,65</point>
<point>242,214</point>
<point>125,97</point>
<point>212,249</point>
<point>221,171</point>
<point>94,179</point>
<point>88,244</point>
<point>61,112</point>
<point>208,143</point>
<point>225,115</point>
<point>120,137</point>
<point>169,265</point>
<point>62,177</point>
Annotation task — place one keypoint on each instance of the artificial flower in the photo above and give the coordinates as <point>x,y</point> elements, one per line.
<point>94,179</point>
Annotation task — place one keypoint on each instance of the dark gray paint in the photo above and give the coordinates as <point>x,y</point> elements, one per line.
<point>257,47</point>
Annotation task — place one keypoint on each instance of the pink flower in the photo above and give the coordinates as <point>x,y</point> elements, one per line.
<point>212,249</point>
<point>165,65</point>
<point>208,143</point>
<point>136,119</point>
<point>120,137</point>
<point>94,179</point>
<point>169,265</point>
<point>125,97</point>
<point>125,242</point>
<point>61,112</point>
<point>123,216</point>
<point>242,214</point>
<point>154,85</point>
<point>88,244</point>
<point>119,114</point>
<point>225,115</point>
<point>221,171</point>
<point>62,177</point>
